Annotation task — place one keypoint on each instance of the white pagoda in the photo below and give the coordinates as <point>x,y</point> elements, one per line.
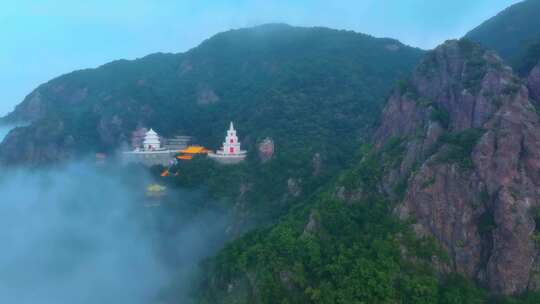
<point>151,153</point>
<point>231,152</point>
<point>151,141</point>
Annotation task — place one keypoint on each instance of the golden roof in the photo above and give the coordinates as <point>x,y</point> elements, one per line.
<point>155,188</point>
<point>194,150</point>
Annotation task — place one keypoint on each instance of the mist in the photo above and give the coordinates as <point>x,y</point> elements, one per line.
<point>84,234</point>
<point>4,130</point>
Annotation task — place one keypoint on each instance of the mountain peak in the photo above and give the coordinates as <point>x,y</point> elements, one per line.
<point>457,86</point>
<point>461,120</point>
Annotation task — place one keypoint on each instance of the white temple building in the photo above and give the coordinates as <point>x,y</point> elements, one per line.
<point>151,141</point>
<point>231,152</point>
<point>151,153</point>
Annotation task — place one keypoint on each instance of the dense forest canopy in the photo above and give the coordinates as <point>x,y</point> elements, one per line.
<point>316,92</point>
<point>512,32</point>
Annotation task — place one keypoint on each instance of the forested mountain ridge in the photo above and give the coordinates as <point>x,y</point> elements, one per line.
<point>514,33</point>
<point>443,161</point>
<point>316,92</point>
<point>273,80</point>
<point>456,159</point>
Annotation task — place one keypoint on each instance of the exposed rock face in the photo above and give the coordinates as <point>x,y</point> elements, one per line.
<point>240,212</point>
<point>33,107</point>
<point>111,131</point>
<point>317,163</point>
<point>137,137</point>
<point>47,141</point>
<point>471,162</point>
<point>313,224</point>
<point>534,83</point>
<point>37,105</point>
<point>206,96</point>
<point>294,187</point>
<point>51,135</point>
<point>266,149</point>
<point>392,47</point>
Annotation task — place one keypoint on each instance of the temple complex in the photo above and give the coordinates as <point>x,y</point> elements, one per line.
<point>177,142</point>
<point>151,141</point>
<point>150,152</point>
<point>191,151</point>
<point>231,152</point>
<point>151,149</point>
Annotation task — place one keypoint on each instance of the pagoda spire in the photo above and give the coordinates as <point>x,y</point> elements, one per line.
<point>230,153</point>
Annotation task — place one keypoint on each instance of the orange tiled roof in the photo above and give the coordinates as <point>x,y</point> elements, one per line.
<point>194,150</point>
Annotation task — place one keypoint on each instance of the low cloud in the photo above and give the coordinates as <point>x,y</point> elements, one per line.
<point>4,130</point>
<point>81,234</point>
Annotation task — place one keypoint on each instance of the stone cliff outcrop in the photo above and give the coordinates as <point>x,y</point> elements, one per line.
<point>470,163</point>
<point>534,83</point>
<point>266,149</point>
<point>48,143</point>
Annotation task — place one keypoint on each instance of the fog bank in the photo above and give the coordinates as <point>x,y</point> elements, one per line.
<point>81,234</point>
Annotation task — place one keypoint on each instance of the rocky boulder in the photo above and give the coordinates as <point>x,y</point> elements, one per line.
<point>266,149</point>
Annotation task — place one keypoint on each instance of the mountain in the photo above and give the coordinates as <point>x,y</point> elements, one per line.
<point>456,158</point>
<point>514,34</point>
<point>470,164</point>
<point>400,176</point>
<point>273,80</point>
<point>316,93</point>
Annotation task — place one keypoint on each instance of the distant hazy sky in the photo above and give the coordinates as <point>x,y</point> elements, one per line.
<point>42,39</point>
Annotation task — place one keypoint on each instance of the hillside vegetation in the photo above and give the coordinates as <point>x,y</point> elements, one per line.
<point>512,32</point>
<point>322,210</point>
<point>316,92</point>
<point>329,251</point>
<point>346,244</point>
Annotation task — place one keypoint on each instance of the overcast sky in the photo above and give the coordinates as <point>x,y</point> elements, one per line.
<point>42,39</point>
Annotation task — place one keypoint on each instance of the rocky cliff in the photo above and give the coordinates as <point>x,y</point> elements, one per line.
<point>534,83</point>
<point>49,143</point>
<point>470,164</point>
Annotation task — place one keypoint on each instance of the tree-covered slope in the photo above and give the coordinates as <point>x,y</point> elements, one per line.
<point>309,87</point>
<point>438,210</point>
<point>512,32</point>
<point>315,92</point>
